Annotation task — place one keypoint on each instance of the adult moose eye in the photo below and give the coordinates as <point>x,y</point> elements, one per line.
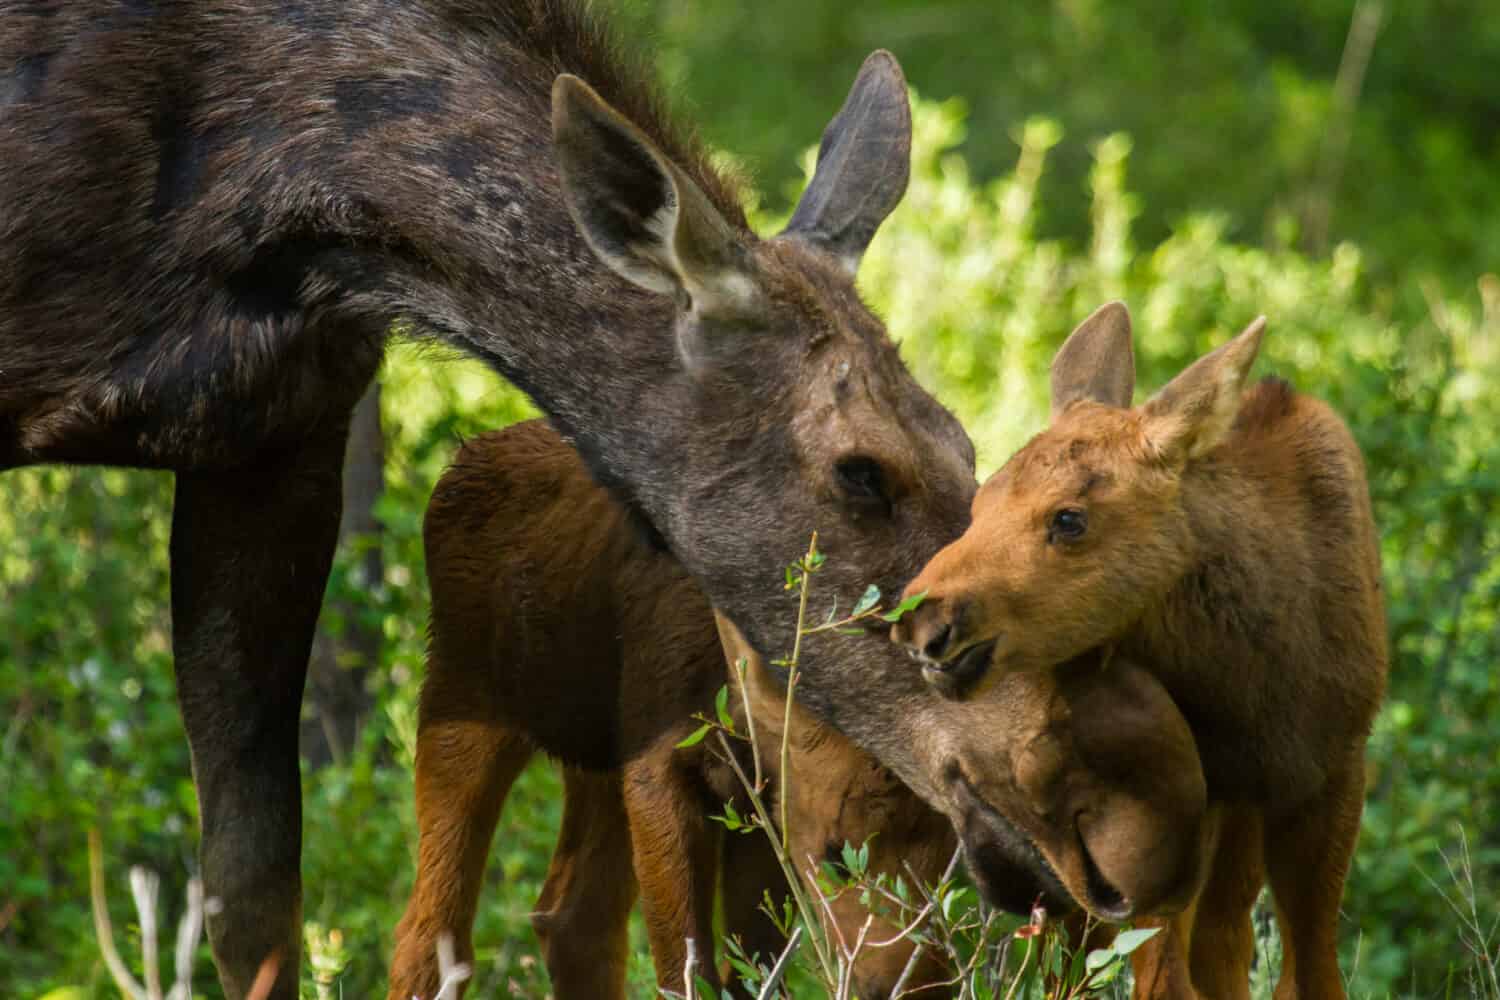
<point>862,481</point>
<point>1067,525</point>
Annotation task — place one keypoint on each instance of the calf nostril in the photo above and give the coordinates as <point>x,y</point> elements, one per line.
<point>934,648</point>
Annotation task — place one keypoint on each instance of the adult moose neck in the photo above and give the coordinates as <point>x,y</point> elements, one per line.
<point>733,390</point>
<point>449,187</point>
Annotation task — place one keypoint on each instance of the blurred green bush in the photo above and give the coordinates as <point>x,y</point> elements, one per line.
<point>89,734</point>
<point>1232,103</point>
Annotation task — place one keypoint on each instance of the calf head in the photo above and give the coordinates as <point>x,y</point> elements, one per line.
<point>787,410</point>
<point>1084,529</point>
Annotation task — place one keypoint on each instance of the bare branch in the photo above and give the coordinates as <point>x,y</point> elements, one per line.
<point>102,930</point>
<point>145,887</point>
<point>451,972</point>
<point>778,970</point>
<point>189,928</point>
<point>690,970</point>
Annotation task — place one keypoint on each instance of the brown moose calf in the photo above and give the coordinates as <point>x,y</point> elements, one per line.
<point>557,628</point>
<point>1224,538</point>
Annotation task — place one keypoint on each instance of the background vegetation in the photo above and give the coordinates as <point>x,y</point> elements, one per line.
<point>1204,161</point>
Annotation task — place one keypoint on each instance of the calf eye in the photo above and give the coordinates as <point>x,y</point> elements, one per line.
<point>862,482</point>
<point>1067,525</point>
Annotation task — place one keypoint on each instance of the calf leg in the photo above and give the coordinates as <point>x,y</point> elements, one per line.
<point>1307,854</point>
<point>1161,966</point>
<point>1223,945</point>
<point>466,763</point>
<point>583,916</point>
<point>676,860</point>
<point>250,552</point>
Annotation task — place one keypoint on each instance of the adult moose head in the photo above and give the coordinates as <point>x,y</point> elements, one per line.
<point>211,216</point>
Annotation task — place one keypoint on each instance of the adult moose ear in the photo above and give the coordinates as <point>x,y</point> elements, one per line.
<point>864,163</point>
<point>640,214</point>
<point>1096,362</point>
<point>1193,413</point>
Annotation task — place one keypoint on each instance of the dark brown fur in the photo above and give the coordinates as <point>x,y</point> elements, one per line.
<point>1227,541</point>
<point>211,215</point>
<point>554,629</point>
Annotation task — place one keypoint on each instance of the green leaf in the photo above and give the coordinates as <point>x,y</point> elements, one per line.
<point>721,708</point>
<point>1128,941</point>
<point>696,737</point>
<point>731,819</point>
<point>1105,976</point>
<point>867,600</point>
<point>909,604</point>
<point>1099,958</point>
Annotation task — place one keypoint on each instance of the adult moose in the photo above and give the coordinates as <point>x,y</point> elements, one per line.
<point>1223,537</point>
<point>211,215</point>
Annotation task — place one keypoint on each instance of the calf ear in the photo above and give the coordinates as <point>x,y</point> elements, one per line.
<point>1096,362</point>
<point>1193,413</point>
<point>639,213</point>
<point>864,163</point>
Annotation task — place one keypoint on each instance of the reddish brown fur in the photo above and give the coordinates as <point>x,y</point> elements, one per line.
<point>1227,542</point>
<point>555,629</point>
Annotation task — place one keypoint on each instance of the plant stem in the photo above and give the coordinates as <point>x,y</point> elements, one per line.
<point>791,680</point>
<point>740,667</point>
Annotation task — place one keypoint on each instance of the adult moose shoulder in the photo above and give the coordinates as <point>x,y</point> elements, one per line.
<point>210,217</point>
<point>1223,537</point>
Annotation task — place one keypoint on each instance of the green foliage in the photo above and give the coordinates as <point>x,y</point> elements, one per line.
<point>980,298</point>
<point>1231,103</point>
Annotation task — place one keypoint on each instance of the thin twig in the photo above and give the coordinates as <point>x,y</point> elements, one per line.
<point>773,979</point>
<point>910,968</point>
<point>124,981</point>
<point>791,681</point>
<point>853,956</point>
<point>451,972</point>
<point>794,884</point>
<point>741,666</point>
<point>188,930</point>
<point>1364,27</point>
<point>690,970</point>
<point>144,887</point>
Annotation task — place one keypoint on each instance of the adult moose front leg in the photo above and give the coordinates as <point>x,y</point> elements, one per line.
<point>251,550</point>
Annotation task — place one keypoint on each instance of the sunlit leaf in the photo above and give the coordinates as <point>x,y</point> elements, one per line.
<point>696,737</point>
<point>907,604</point>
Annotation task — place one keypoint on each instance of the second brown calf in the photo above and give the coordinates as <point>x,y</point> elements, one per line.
<point>556,628</point>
